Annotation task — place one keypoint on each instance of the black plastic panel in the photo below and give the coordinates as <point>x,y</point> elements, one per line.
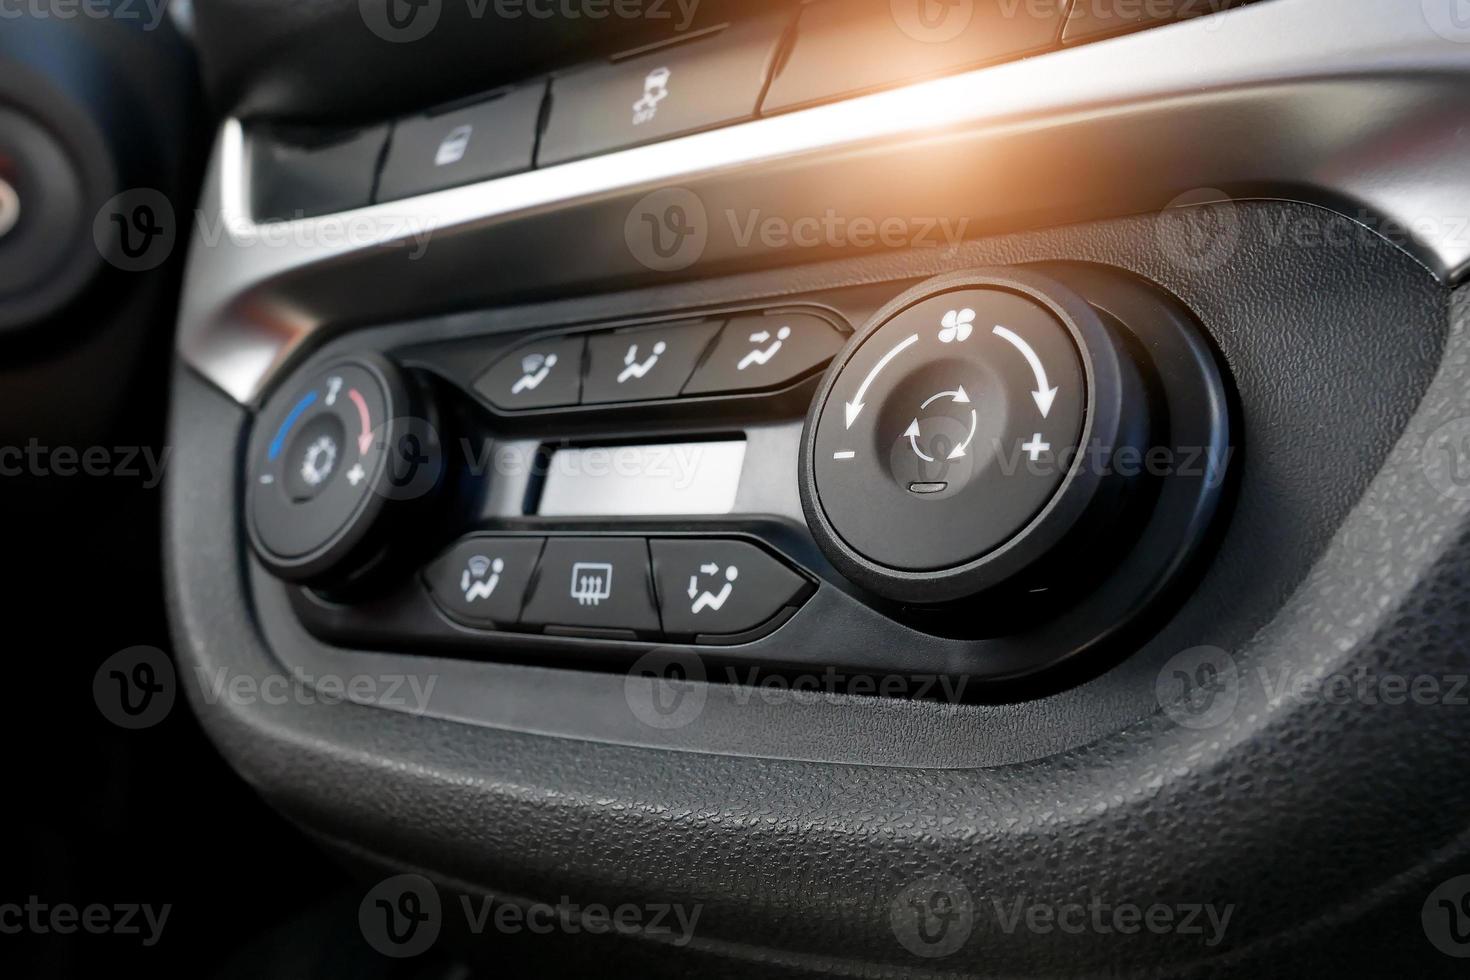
<point>1332,349</point>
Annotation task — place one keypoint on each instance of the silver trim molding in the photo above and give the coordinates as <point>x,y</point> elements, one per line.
<point>1358,105</point>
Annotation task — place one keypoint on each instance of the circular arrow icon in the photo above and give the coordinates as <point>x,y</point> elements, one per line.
<point>960,397</point>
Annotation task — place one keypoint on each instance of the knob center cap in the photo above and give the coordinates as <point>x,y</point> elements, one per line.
<point>949,428</point>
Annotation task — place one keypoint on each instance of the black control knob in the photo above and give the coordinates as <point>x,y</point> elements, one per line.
<point>962,438</point>
<point>334,462</point>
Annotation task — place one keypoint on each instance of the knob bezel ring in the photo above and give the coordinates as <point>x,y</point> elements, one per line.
<point>1115,403</point>
<point>351,537</point>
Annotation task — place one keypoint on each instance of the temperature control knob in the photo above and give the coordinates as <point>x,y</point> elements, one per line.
<point>333,461</point>
<point>965,436</point>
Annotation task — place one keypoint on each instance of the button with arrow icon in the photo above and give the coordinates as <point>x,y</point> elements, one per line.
<point>765,351</point>
<point>719,587</point>
<point>939,437</point>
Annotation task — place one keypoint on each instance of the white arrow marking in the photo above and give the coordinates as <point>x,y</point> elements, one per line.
<point>959,396</point>
<point>1044,393</point>
<point>693,586</point>
<point>913,433</point>
<point>959,450</point>
<point>856,405</point>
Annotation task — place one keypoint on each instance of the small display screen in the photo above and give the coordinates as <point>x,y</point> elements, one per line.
<point>654,480</point>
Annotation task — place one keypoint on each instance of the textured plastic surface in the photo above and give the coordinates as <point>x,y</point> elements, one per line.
<point>1322,824</point>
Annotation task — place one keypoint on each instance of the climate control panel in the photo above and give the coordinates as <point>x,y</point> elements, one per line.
<point>993,472</point>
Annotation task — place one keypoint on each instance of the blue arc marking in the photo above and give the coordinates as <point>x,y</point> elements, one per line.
<point>280,439</point>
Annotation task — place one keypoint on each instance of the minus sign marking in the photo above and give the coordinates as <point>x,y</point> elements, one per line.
<point>844,454</point>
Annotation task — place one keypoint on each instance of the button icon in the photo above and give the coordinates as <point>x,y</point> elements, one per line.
<point>480,577</point>
<point>960,397</point>
<point>712,587</point>
<point>956,326</point>
<point>763,355</point>
<point>534,369</point>
<point>591,582</point>
<point>480,581</point>
<point>453,147</point>
<point>318,460</point>
<point>634,368</point>
<point>356,475</point>
<point>710,600</point>
<point>655,90</point>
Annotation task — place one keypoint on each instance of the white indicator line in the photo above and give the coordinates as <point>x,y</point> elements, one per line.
<point>844,454</point>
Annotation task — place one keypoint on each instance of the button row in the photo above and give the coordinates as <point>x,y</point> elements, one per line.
<point>610,586</point>
<point>747,353</point>
<point>837,49</point>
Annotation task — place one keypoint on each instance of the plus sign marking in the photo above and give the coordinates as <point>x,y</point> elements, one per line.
<point>1035,447</point>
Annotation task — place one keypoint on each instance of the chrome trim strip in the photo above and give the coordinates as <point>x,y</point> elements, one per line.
<point>1358,105</point>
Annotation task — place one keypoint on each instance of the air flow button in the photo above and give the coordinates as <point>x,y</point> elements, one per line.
<point>641,364</point>
<point>719,587</point>
<point>542,374</point>
<point>481,581</point>
<point>770,351</point>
